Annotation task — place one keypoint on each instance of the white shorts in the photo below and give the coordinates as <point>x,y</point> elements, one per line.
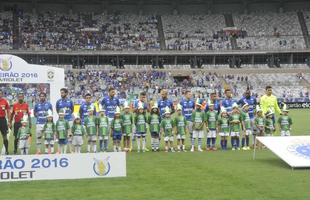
<point>197,134</point>
<point>248,132</point>
<point>49,142</point>
<point>92,138</point>
<point>23,144</point>
<point>168,138</point>
<point>189,126</point>
<point>77,140</point>
<point>285,133</point>
<point>234,134</point>
<point>100,137</point>
<point>211,134</point>
<point>223,134</point>
<point>39,128</point>
<point>179,137</point>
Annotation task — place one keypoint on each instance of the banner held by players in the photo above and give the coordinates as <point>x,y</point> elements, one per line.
<point>65,166</point>
<point>294,150</point>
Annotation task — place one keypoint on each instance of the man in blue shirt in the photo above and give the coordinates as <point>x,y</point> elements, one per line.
<point>215,101</point>
<point>188,106</point>
<point>164,102</point>
<point>109,103</point>
<point>228,101</point>
<point>251,101</point>
<point>67,105</point>
<point>40,112</point>
<point>85,106</point>
<point>142,99</point>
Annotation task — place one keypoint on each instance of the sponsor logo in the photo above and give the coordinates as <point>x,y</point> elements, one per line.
<point>6,64</point>
<point>301,150</point>
<point>101,167</point>
<point>50,74</point>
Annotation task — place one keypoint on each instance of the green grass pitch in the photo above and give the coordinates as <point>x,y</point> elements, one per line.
<point>207,175</point>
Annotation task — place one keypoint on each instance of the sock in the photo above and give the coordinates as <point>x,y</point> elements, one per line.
<point>79,149</point>
<point>179,147</point>
<point>238,142</point>
<point>143,143</point>
<point>153,143</point>
<point>105,145</point>
<point>15,145</point>
<point>222,144</point>
<point>242,142</point>
<point>208,142</point>
<point>193,141</point>
<point>234,144</point>
<point>213,142</point>
<point>65,149</point>
<point>138,143</point>
<point>46,150</point>
<point>6,145</point>
<point>183,147</point>
<point>100,144</point>
<point>157,143</point>
<point>199,142</point>
<point>52,149</point>
<point>26,151</point>
<point>39,147</point>
<point>94,147</point>
<point>247,140</point>
<point>232,141</point>
<point>88,147</point>
<point>114,148</point>
<point>225,143</point>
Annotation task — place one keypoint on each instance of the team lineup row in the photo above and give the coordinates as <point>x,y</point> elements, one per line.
<point>133,124</point>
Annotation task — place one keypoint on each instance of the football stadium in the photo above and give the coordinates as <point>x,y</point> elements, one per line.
<point>155,99</point>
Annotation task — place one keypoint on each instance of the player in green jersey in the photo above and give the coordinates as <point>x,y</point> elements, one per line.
<point>166,126</point>
<point>127,127</point>
<point>198,125</point>
<point>269,127</point>
<point>223,127</point>
<point>247,127</point>
<point>211,126</point>
<point>141,125</point>
<point>259,123</point>
<point>24,137</point>
<point>285,122</point>
<point>180,125</point>
<point>235,121</point>
<point>102,123</point>
<point>48,133</point>
<point>91,130</point>
<point>78,131</point>
<point>154,122</point>
<point>116,130</point>
<point>62,132</point>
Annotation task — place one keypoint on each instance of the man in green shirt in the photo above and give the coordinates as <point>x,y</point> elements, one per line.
<point>91,130</point>
<point>285,122</point>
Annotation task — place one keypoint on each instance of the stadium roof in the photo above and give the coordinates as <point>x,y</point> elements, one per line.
<point>154,2</point>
